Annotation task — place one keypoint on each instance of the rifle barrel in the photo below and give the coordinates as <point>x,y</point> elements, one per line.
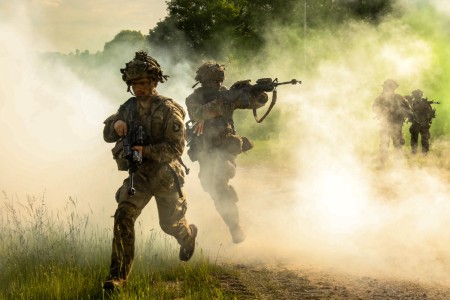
<point>293,81</point>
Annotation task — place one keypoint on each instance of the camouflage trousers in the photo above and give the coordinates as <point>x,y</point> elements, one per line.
<point>424,131</point>
<point>216,169</point>
<point>171,207</point>
<point>390,131</point>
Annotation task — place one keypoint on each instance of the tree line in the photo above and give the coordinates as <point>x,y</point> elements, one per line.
<point>206,28</point>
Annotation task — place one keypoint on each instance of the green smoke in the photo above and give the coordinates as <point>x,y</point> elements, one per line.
<point>343,66</point>
<point>433,28</point>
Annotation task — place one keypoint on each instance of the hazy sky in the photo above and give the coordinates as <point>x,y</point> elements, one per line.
<point>67,25</point>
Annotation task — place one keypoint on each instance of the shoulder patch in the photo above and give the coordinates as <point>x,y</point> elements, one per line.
<point>176,127</point>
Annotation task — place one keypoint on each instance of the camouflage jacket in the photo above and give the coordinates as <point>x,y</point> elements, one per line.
<point>422,111</point>
<point>163,124</point>
<point>200,106</point>
<point>391,109</point>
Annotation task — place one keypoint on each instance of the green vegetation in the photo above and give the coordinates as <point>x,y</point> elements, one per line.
<point>65,256</point>
<point>238,27</point>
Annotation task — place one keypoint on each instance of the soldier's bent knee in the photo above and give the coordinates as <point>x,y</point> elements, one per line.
<point>125,211</point>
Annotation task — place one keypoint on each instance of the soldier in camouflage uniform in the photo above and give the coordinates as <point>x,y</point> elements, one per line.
<point>160,174</point>
<point>422,116</point>
<point>215,142</point>
<point>391,110</point>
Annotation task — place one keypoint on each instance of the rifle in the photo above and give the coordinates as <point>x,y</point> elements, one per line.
<point>269,85</point>
<point>243,89</point>
<point>432,102</point>
<point>433,114</point>
<point>128,159</point>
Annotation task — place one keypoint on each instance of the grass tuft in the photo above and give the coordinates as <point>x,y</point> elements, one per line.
<point>62,255</point>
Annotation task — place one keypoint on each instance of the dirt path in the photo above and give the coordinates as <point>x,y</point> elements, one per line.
<point>249,282</point>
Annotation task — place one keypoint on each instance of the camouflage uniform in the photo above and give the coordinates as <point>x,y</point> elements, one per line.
<point>160,175</point>
<point>391,110</point>
<point>422,115</point>
<point>216,149</point>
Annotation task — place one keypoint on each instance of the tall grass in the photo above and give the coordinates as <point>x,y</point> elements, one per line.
<point>62,255</point>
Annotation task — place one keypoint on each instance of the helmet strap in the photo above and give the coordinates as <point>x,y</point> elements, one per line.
<point>129,90</point>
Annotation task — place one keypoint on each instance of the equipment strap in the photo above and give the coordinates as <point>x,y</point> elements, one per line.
<point>272,104</point>
<point>177,181</point>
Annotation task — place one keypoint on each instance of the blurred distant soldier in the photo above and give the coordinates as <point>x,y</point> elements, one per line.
<point>215,142</point>
<point>421,119</point>
<point>392,110</point>
<point>150,137</point>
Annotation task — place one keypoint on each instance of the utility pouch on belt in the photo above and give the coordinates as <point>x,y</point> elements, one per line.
<point>117,152</point>
<point>246,144</point>
<point>232,143</point>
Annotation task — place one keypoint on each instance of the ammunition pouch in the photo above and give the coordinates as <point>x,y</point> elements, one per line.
<point>232,143</point>
<point>246,144</point>
<point>117,152</point>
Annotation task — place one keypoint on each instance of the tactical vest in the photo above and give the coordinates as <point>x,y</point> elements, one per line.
<point>154,123</point>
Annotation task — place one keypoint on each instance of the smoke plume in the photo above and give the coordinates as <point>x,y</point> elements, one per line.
<point>329,205</point>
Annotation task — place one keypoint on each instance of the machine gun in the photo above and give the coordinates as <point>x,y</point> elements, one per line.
<point>243,89</point>
<point>268,85</point>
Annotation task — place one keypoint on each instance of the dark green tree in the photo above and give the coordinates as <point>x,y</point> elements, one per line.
<point>211,28</point>
<point>131,38</point>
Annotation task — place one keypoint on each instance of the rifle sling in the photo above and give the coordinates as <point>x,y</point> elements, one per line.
<point>272,104</point>
<point>186,169</point>
<point>177,181</point>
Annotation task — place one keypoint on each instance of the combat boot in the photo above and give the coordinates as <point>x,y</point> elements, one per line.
<point>113,283</point>
<point>237,234</point>
<point>187,250</point>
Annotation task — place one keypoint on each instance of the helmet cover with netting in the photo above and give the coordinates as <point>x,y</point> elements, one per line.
<point>417,93</point>
<point>142,66</point>
<point>210,71</point>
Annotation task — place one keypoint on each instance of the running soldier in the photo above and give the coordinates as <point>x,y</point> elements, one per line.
<point>215,143</point>
<point>158,124</point>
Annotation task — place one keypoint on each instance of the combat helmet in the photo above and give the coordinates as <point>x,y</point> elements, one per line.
<point>142,65</point>
<point>390,83</point>
<point>210,71</point>
<point>417,93</point>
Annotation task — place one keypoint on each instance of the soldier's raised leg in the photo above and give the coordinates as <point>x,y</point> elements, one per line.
<point>172,208</point>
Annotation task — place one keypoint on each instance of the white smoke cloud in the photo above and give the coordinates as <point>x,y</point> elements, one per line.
<point>332,208</point>
<point>51,120</point>
<point>440,6</point>
<point>335,207</point>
